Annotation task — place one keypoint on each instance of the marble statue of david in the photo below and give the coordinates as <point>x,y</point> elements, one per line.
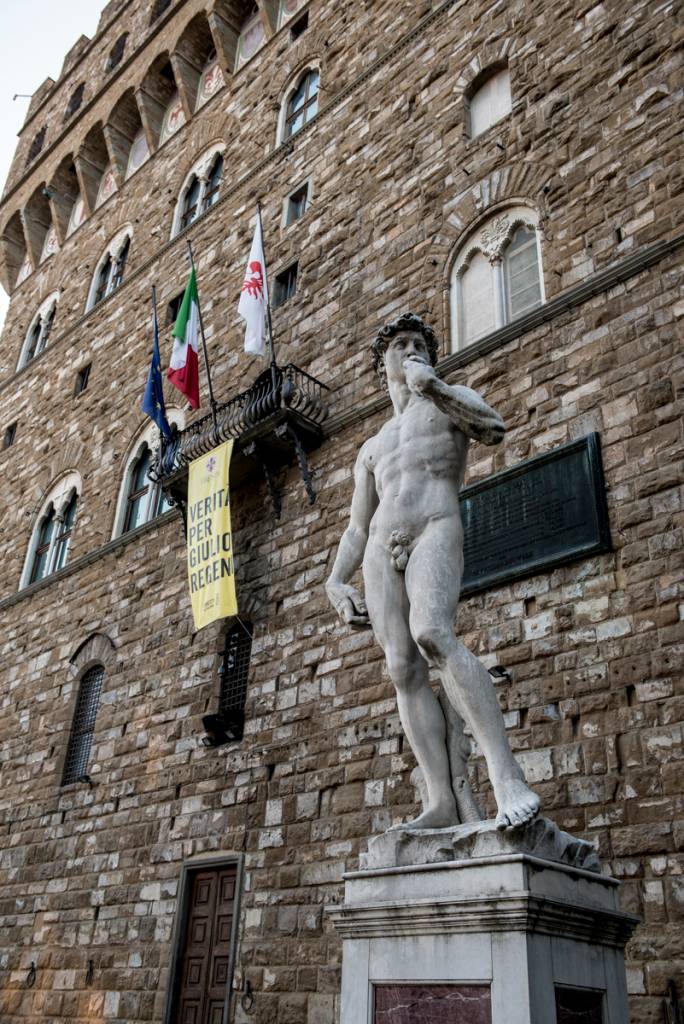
<point>405,531</point>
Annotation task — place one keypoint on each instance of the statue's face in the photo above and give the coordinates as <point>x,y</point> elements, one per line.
<point>403,345</point>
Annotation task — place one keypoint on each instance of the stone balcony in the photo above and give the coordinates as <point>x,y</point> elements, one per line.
<point>276,420</point>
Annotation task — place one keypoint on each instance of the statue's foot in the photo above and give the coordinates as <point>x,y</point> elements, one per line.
<point>434,817</point>
<point>516,804</point>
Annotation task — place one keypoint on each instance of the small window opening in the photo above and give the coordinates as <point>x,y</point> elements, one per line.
<point>116,52</point>
<point>82,380</point>
<point>83,726</point>
<point>297,204</point>
<point>158,9</point>
<point>75,101</point>
<point>36,145</point>
<point>173,309</point>
<point>9,436</point>
<point>285,285</point>
<point>234,673</point>
<point>300,26</point>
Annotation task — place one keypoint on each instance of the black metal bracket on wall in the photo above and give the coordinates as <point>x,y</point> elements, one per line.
<point>252,450</point>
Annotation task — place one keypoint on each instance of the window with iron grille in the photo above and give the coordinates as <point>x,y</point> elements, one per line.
<point>83,725</point>
<point>234,673</point>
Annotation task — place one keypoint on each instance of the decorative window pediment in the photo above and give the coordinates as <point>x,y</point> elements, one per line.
<point>496,276</point>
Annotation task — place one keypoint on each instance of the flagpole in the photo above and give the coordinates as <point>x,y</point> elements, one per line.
<point>155,324</point>
<point>212,401</point>
<point>274,365</point>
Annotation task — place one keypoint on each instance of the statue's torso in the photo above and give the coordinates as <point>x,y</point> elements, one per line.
<point>418,461</point>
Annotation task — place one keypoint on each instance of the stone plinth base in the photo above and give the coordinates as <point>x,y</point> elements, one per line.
<point>506,937</point>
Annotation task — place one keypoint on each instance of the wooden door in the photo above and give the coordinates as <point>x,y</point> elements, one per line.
<point>205,958</point>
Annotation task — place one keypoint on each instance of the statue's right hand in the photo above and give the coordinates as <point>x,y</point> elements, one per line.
<point>348,603</point>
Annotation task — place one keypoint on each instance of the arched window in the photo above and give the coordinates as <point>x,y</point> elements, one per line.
<point>145,499</point>
<point>496,276</point>
<point>191,202</point>
<point>64,530</point>
<point>116,53</point>
<point>302,103</point>
<point>83,725</point>
<point>111,268</point>
<point>38,333</point>
<point>211,193</point>
<point>200,190</point>
<point>75,101</point>
<point>489,101</point>
<point>41,557</point>
<point>140,498</point>
<point>51,540</point>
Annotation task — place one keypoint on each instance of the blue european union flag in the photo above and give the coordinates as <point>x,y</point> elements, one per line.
<point>153,399</point>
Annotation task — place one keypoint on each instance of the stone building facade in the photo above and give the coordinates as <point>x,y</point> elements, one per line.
<point>406,191</point>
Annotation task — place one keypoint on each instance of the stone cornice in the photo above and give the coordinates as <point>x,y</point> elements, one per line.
<point>91,556</point>
<point>512,912</point>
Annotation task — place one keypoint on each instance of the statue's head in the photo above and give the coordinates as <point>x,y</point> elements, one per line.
<point>406,323</point>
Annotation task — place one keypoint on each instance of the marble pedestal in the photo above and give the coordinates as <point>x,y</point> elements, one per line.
<point>482,928</point>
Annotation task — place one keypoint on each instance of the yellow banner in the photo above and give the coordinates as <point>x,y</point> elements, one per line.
<point>210,542</point>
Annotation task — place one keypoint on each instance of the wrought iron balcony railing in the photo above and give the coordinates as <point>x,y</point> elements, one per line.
<point>280,414</point>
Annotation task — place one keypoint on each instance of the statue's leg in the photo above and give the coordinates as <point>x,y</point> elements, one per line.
<point>419,709</point>
<point>433,580</point>
<point>458,748</point>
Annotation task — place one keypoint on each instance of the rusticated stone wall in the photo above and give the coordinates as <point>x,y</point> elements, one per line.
<point>594,703</point>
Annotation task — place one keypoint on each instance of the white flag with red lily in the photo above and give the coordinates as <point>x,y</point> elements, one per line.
<point>253,303</point>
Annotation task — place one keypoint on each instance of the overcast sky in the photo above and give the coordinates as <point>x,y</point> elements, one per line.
<point>36,35</point>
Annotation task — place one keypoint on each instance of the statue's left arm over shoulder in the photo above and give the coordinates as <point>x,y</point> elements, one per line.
<point>464,407</point>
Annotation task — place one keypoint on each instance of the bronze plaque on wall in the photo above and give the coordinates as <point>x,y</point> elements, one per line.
<point>539,514</point>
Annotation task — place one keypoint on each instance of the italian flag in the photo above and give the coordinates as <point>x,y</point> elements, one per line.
<point>183,369</point>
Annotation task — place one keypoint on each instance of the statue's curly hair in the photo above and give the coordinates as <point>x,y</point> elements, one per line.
<point>405,322</point>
